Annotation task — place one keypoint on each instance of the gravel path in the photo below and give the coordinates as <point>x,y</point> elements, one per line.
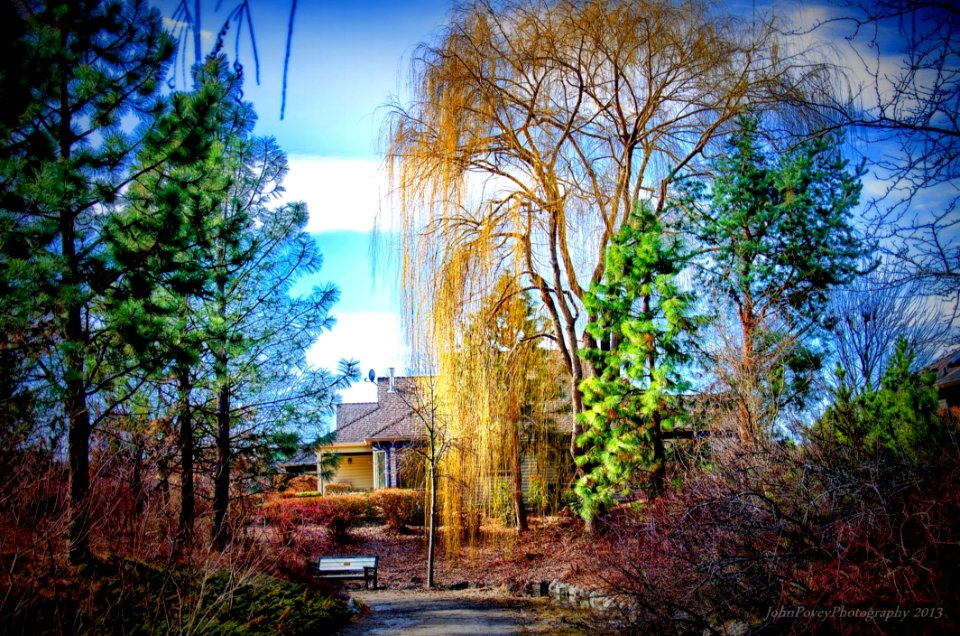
<point>437,613</point>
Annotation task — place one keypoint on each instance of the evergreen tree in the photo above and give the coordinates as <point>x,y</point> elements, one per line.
<point>163,240</point>
<point>640,327</point>
<point>775,233</point>
<point>81,69</point>
<point>254,332</point>
<point>898,421</point>
<point>222,259</point>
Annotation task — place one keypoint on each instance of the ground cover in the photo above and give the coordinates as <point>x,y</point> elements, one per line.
<point>112,594</point>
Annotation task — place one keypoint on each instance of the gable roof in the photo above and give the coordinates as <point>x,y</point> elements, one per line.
<point>304,458</point>
<point>393,416</point>
<point>947,369</point>
<point>389,418</point>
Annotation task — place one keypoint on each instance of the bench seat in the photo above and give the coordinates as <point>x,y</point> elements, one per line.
<point>349,568</point>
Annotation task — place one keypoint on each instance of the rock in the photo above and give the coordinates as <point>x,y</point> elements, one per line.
<point>562,591</point>
<point>352,606</point>
<point>602,603</point>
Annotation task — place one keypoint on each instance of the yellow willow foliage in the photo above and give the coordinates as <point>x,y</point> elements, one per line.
<point>533,128</point>
<point>502,407</point>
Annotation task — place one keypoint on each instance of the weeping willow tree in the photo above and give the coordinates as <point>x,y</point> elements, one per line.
<point>501,345</point>
<point>533,128</point>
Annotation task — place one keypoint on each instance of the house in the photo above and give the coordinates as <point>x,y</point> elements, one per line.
<point>371,437</point>
<point>947,379</point>
<point>372,440</point>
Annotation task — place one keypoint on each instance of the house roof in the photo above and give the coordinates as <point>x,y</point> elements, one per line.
<point>947,369</point>
<point>391,417</point>
<point>305,458</point>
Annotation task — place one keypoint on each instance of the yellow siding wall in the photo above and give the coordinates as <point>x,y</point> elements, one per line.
<point>356,470</point>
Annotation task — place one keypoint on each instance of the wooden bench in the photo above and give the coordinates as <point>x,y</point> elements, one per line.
<point>348,567</point>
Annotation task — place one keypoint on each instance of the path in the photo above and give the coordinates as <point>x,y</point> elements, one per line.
<point>437,613</point>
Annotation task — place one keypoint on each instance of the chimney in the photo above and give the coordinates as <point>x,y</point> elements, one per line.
<point>393,388</point>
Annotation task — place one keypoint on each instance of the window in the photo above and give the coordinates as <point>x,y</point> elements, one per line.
<point>379,469</point>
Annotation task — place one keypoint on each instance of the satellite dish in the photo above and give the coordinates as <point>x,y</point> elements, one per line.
<point>371,376</point>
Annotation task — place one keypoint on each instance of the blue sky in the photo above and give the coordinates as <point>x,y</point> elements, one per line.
<point>347,61</point>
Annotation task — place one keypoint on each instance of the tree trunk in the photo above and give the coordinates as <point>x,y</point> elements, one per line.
<point>748,428</point>
<point>221,478</point>
<point>432,521</point>
<point>659,472</point>
<point>139,496</point>
<point>78,451</point>
<point>78,441</point>
<point>187,494</point>
<point>519,510</point>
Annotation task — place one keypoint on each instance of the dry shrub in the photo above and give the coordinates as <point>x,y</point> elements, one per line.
<point>301,484</point>
<point>137,581</point>
<point>338,514</point>
<point>399,507</point>
<point>340,489</point>
<point>205,592</point>
<point>746,545</point>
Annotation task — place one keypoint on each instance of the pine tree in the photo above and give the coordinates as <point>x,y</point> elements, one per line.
<point>66,150</point>
<point>775,234</point>
<point>899,421</point>
<point>639,328</point>
<point>162,239</point>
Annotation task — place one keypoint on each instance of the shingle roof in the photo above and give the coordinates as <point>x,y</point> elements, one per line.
<point>947,369</point>
<point>391,417</point>
<point>304,458</point>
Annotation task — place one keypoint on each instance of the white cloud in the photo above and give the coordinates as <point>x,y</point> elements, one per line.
<point>177,26</point>
<point>870,58</point>
<point>341,194</point>
<point>375,339</point>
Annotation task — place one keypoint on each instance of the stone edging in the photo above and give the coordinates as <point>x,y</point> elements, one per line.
<point>567,594</point>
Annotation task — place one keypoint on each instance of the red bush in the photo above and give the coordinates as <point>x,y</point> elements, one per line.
<point>339,514</point>
<point>399,507</point>
<point>791,541</point>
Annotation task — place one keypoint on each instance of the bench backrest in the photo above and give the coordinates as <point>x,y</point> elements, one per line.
<point>330,563</point>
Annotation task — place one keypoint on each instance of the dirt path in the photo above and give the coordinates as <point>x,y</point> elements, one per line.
<point>437,613</point>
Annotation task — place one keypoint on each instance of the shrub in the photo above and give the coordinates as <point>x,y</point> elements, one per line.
<point>338,514</point>
<point>398,506</point>
<point>118,595</point>
<point>783,528</point>
<point>301,483</point>
<point>340,489</point>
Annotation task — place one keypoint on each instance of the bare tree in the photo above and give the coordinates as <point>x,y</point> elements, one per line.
<point>871,314</point>
<point>422,399</point>
<point>534,127</point>
<point>904,108</point>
